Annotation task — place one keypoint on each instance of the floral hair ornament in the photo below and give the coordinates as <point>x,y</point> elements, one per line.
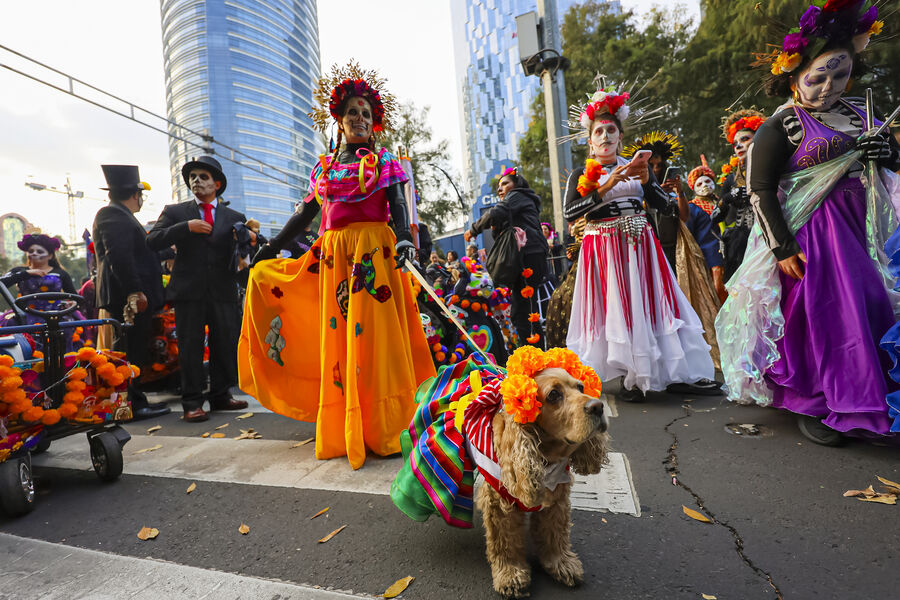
<point>608,99</point>
<point>748,118</point>
<point>347,82</point>
<point>48,243</point>
<point>514,171</point>
<point>519,390</point>
<point>823,22</point>
<point>703,170</point>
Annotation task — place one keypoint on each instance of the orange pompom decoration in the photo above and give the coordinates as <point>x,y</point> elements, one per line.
<point>85,354</point>
<point>20,406</point>
<point>534,317</point>
<point>13,396</point>
<point>50,417</point>
<point>453,299</point>
<point>476,306</point>
<point>67,411</point>
<point>527,291</point>
<point>124,371</point>
<point>465,303</point>
<point>98,360</point>
<point>527,272</point>
<point>76,337</point>
<point>533,339</point>
<point>37,354</point>
<point>6,360</point>
<point>75,386</point>
<point>115,380</point>
<point>77,374</point>
<point>6,372</point>
<point>440,356</point>
<point>79,330</point>
<point>452,358</point>
<point>8,384</point>
<point>33,414</point>
<point>106,370</point>
<point>520,398</point>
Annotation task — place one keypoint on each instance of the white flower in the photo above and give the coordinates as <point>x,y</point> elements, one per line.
<point>585,121</point>
<point>623,113</point>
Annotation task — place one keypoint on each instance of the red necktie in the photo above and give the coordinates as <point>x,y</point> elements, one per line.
<point>207,212</point>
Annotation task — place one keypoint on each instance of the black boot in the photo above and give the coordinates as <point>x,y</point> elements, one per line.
<point>632,395</point>
<point>813,429</point>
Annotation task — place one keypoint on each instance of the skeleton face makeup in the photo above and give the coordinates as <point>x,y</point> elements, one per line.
<point>821,84</point>
<point>741,143</point>
<point>38,257</point>
<point>357,121</point>
<point>202,183</point>
<point>704,186</point>
<point>604,140</point>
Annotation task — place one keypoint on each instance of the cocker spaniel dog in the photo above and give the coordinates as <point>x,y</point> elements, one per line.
<point>570,432</point>
<point>524,430</point>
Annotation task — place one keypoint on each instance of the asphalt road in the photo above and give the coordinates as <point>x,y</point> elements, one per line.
<point>782,526</point>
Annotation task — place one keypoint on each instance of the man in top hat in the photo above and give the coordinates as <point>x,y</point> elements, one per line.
<point>129,279</point>
<point>203,288</point>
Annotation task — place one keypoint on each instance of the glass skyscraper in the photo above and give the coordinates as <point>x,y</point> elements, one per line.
<point>495,94</point>
<point>243,72</point>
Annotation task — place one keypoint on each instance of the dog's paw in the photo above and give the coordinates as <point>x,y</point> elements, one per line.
<point>565,568</point>
<point>511,581</point>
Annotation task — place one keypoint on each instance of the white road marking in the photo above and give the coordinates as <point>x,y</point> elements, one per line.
<point>42,570</point>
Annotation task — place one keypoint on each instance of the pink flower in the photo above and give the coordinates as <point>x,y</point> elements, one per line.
<point>794,43</point>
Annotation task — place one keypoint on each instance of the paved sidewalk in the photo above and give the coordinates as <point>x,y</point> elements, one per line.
<point>33,569</point>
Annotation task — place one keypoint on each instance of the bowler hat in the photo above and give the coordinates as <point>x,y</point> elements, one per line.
<point>123,178</point>
<point>207,163</point>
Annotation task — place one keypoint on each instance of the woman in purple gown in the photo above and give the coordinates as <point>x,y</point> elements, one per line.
<point>815,323</point>
<point>42,274</point>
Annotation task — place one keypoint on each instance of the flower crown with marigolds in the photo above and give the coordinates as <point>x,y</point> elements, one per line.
<point>745,118</point>
<point>823,22</point>
<point>520,391</point>
<point>346,82</point>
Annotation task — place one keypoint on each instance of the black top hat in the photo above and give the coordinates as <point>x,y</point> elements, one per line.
<point>207,163</point>
<point>123,178</point>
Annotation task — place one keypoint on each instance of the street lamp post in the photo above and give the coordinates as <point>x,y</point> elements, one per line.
<point>70,195</point>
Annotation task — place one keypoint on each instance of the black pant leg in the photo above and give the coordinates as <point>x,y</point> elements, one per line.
<point>133,342</point>
<point>522,307</point>
<point>190,319</point>
<point>224,330</point>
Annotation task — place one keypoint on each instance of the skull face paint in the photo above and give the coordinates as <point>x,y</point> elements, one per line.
<point>604,140</point>
<point>38,256</point>
<point>704,186</point>
<point>741,143</point>
<point>821,84</point>
<point>357,121</point>
<point>202,183</point>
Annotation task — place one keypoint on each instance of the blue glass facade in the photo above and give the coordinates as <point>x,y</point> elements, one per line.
<point>244,72</point>
<point>495,94</point>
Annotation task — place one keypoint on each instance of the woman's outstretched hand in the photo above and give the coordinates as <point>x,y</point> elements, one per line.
<point>793,266</point>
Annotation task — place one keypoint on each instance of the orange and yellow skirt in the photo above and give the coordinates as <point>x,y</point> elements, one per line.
<point>335,337</point>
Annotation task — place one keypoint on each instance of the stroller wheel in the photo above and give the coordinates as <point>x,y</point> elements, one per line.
<point>16,486</point>
<point>106,456</point>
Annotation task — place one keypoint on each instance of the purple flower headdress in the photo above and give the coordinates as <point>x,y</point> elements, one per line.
<point>50,244</point>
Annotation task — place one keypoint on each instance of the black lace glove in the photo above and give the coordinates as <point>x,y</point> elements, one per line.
<point>875,148</point>
<point>404,251</point>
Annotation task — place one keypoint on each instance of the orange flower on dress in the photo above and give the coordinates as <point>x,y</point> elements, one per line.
<point>520,398</point>
<point>527,272</point>
<point>534,317</point>
<point>527,291</point>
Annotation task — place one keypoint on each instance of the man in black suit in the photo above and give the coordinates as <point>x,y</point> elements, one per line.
<point>203,286</point>
<point>129,279</point>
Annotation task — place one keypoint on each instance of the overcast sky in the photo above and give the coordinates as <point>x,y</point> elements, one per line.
<point>116,45</point>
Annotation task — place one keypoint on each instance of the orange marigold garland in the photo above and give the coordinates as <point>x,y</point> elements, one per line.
<point>527,272</point>
<point>534,317</point>
<point>527,291</point>
<point>519,389</point>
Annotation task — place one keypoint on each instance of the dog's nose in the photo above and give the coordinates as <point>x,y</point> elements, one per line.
<point>594,406</point>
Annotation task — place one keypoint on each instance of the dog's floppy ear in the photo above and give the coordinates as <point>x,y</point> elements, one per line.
<point>590,456</point>
<point>521,462</point>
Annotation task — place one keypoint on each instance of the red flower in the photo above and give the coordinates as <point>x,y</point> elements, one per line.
<point>836,5</point>
<point>276,291</point>
<point>533,339</point>
<point>534,317</point>
<point>526,273</point>
<point>527,291</point>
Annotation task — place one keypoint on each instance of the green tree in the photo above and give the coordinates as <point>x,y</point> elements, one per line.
<point>438,202</point>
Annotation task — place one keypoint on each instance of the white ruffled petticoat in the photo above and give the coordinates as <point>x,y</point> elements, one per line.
<point>629,317</point>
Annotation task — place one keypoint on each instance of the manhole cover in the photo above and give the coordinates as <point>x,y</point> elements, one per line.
<point>748,430</point>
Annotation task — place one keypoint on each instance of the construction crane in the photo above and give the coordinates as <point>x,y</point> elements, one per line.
<point>70,194</point>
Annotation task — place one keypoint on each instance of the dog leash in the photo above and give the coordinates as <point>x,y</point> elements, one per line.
<point>415,273</point>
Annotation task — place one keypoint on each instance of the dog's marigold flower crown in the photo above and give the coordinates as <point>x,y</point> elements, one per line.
<point>519,389</point>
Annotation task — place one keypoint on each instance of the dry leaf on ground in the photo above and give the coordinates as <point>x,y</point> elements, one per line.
<point>604,520</point>
<point>881,499</point>
<point>892,486</point>
<point>303,443</point>
<point>150,449</point>
<point>154,429</point>
<point>147,533</point>
<point>191,488</point>
<point>244,416</point>
<point>248,434</point>
<point>321,512</point>
<point>222,426</point>
<point>205,434</point>
<point>332,534</point>
<point>218,435</point>
<point>708,597</point>
<point>868,493</point>
<point>695,515</point>
<point>244,529</point>
<point>398,586</point>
